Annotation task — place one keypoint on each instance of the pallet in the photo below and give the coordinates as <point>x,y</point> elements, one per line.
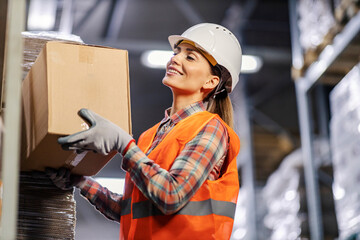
<point>311,55</point>
<point>346,10</point>
<point>342,13</point>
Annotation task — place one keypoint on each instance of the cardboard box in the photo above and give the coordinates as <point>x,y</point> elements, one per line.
<point>65,78</point>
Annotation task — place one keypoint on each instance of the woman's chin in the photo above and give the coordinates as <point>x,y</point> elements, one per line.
<point>167,81</point>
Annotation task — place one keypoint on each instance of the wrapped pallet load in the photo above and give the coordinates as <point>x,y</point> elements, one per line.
<point>345,142</point>
<point>45,211</point>
<point>317,27</point>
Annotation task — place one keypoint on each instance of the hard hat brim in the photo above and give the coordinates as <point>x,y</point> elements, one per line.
<point>175,39</point>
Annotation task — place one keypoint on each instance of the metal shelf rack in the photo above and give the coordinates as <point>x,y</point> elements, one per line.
<point>314,74</point>
<point>11,142</point>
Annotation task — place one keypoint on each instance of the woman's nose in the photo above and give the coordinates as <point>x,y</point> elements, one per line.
<point>175,59</point>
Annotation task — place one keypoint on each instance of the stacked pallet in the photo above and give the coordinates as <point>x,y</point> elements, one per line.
<point>317,27</point>
<point>319,22</point>
<point>345,10</point>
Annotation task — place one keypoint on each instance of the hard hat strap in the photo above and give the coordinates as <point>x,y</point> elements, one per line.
<point>219,88</point>
<point>225,78</point>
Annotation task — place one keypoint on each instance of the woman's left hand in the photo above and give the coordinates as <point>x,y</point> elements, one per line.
<point>63,179</point>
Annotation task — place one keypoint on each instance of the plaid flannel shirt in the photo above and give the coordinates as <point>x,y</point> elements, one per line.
<point>201,159</point>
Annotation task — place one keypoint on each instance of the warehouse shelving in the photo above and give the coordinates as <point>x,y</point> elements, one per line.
<point>10,146</point>
<point>315,74</point>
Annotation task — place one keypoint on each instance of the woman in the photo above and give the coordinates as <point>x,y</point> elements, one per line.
<point>182,180</point>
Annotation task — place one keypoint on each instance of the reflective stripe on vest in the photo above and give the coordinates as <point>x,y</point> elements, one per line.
<point>199,208</point>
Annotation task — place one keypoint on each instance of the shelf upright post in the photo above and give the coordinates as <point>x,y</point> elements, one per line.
<point>11,144</point>
<point>304,110</point>
<point>310,168</point>
<point>245,159</point>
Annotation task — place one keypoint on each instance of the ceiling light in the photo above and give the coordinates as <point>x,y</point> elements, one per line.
<point>251,64</point>
<point>41,15</point>
<point>158,59</point>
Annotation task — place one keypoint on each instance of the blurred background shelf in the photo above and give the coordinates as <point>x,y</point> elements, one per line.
<point>314,80</point>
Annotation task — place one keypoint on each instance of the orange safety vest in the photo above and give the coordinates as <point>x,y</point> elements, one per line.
<point>210,212</point>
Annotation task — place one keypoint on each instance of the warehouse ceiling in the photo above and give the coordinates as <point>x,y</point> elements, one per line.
<point>262,27</point>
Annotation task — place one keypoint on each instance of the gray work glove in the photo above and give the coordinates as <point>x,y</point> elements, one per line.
<point>63,179</point>
<point>102,137</point>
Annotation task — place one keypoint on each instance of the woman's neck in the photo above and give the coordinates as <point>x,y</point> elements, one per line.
<point>182,101</point>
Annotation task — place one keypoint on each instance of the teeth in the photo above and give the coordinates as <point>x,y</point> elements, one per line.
<point>173,71</point>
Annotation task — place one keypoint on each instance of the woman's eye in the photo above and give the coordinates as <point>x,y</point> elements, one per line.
<point>190,58</point>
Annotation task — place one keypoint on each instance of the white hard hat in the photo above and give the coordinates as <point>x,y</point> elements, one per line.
<point>220,43</point>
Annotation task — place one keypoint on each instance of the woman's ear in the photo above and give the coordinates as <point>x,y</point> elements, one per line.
<point>211,83</point>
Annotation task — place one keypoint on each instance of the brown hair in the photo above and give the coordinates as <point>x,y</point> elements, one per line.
<point>220,103</point>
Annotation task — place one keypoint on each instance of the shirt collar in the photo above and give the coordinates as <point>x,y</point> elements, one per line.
<point>184,113</point>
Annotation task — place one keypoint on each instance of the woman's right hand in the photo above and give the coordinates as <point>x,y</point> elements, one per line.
<point>63,179</point>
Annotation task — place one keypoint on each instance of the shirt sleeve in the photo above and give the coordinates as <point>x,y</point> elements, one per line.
<point>171,190</point>
<point>107,202</point>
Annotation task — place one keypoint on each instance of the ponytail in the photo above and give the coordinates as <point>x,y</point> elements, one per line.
<point>219,102</point>
<point>222,106</point>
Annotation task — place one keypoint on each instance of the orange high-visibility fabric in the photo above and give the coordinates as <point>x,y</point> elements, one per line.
<point>184,226</point>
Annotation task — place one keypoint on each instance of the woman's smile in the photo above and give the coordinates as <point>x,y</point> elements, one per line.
<point>173,71</point>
